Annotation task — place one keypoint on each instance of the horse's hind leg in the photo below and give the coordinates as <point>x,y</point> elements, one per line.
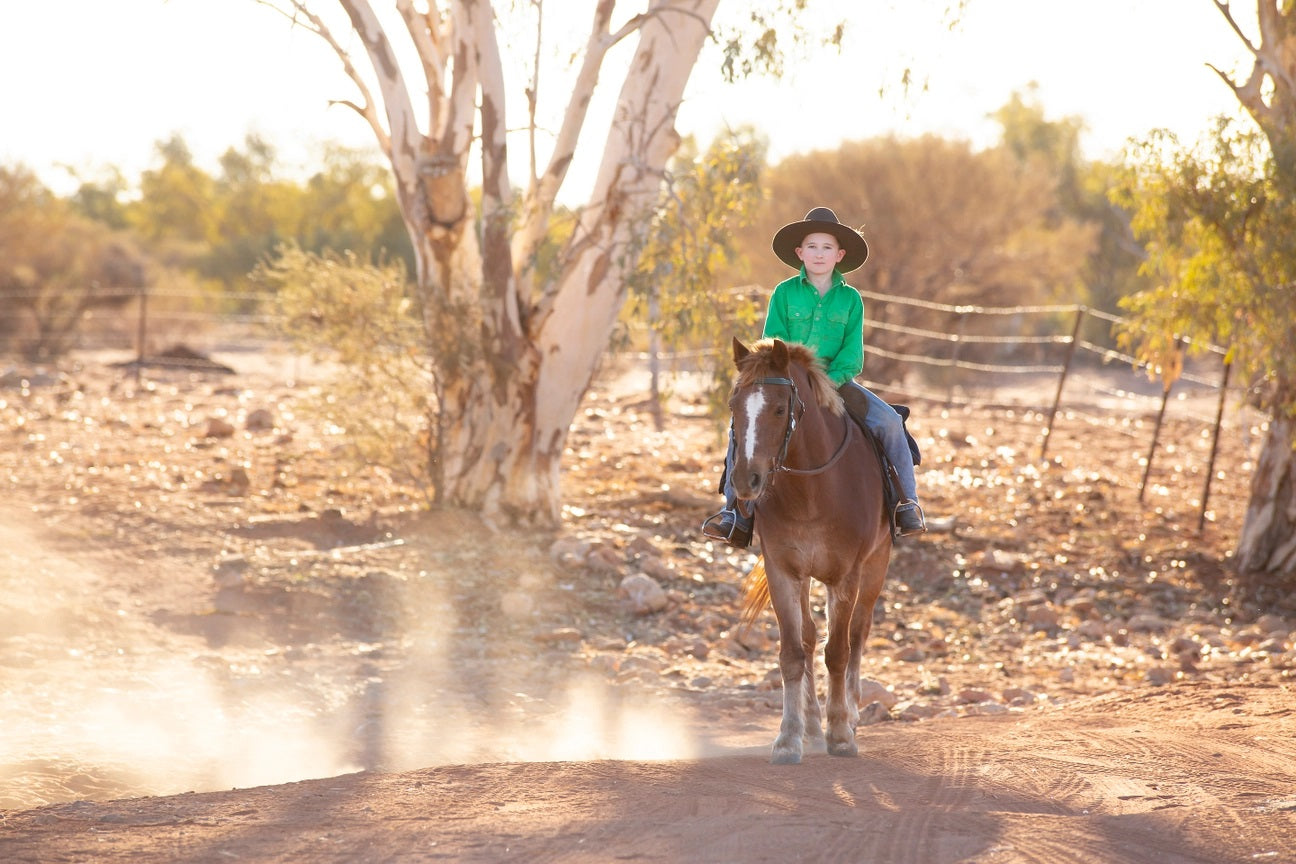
<point>786,597</point>
<point>842,715</point>
<point>809,642</point>
<point>874,574</point>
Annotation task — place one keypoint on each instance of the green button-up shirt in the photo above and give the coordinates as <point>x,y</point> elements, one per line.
<point>831,324</point>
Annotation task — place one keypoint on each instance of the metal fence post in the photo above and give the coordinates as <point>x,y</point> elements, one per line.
<point>1210,465</point>
<point>1066,367</point>
<point>141,334</point>
<point>954,354</point>
<point>1156,431</point>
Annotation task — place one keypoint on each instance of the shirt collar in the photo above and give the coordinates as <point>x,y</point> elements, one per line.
<point>837,279</point>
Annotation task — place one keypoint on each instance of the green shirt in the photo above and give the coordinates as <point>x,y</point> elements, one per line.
<point>832,324</point>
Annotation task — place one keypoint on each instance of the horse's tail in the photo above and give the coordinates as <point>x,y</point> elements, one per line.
<point>756,594</point>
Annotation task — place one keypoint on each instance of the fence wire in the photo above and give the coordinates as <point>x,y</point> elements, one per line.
<point>246,321</point>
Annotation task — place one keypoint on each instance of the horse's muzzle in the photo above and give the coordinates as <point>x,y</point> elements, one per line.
<point>749,483</point>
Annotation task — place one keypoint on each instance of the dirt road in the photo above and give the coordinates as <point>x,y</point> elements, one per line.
<point>1079,690</point>
<point>1188,773</point>
<point>1185,774</point>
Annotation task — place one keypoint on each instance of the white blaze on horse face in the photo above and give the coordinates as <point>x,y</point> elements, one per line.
<point>755,404</point>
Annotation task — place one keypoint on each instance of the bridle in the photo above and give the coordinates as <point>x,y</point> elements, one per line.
<point>796,408</point>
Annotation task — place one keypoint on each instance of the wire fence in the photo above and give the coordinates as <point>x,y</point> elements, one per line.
<point>986,355</point>
<point>1197,378</point>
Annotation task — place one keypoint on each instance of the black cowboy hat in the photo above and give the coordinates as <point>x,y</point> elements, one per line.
<point>789,237</point>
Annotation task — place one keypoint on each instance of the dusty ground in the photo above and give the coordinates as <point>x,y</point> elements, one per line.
<point>1065,673</point>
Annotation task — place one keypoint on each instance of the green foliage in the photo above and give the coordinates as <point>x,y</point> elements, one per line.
<point>351,204</point>
<point>1217,225</point>
<point>57,265</point>
<point>759,43</point>
<point>689,241</point>
<point>361,318</point>
<point>199,232</point>
<point>1081,195</point>
<point>174,206</point>
<point>944,223</point>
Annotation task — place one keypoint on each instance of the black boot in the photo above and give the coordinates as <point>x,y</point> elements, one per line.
<point>730,526</point>
<point>909,519</point>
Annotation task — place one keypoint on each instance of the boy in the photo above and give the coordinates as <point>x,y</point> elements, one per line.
<point>818,309</point>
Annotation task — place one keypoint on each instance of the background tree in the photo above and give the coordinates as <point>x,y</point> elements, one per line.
<point>514,346</point>
<point>350,204</point>
<point>1082,196</point>
<point>57,265</point>
<point>688,242</point>
<point>1219,225</point>
<point>944,223</point>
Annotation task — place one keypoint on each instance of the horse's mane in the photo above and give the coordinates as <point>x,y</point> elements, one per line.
<point>759,364</point>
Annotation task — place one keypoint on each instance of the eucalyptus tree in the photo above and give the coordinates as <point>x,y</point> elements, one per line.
<point>514,326</point>
<point>1218,221</point>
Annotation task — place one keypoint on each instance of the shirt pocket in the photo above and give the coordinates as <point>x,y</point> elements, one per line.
<point>832,330</point>
<point>799,322</point>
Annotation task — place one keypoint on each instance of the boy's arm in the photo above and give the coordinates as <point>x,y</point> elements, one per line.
<point>775,319</point>
<point>849,361</point>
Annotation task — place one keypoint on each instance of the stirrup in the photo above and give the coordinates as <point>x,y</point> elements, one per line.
<point>728,526</point>
<point>908,519</point>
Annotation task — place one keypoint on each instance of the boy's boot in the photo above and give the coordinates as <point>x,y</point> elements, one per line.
<point>730,526</point>
<point>909,518</point>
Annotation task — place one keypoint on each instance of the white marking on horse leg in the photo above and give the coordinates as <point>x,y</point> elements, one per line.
<point>755,404</point>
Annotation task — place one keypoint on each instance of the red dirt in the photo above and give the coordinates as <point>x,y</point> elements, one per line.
<point>1080,678</point>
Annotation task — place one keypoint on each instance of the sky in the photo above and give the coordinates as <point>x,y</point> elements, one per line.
<point>88,84</point>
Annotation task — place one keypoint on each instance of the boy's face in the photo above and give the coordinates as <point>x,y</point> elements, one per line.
<point>820,253</point>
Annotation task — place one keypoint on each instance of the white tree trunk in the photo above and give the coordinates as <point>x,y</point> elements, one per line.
<point>512,353</point>
<point>506,413</point>
<point>1268,540</point>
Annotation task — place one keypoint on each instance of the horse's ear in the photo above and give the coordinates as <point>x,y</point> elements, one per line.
<point>739,349</point>
<point>779,356</point>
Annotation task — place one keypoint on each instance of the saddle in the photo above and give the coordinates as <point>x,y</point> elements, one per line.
<point>891,487</point>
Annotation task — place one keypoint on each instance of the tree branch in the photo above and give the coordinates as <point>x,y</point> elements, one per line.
<point>426,31</point>
<point>403,147</point>
<point>304,18</point>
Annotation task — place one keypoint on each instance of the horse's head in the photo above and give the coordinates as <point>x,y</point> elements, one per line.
<point>766,406</point>
<point>774,377</point>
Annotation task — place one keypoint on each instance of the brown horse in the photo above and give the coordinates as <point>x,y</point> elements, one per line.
<point>816,482</point>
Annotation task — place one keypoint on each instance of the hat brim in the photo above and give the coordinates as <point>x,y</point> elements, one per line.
<point>790,236</point>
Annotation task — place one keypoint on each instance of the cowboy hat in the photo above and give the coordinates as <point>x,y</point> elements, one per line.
<point>820,219</point>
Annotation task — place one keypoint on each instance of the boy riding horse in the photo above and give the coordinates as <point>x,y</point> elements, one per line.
<point>819,309</point>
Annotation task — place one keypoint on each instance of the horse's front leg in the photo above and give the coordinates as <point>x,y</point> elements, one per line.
<point>843,714</point>
<point>785,594</point>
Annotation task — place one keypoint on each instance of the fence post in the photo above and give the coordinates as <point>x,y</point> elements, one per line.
<point>1156,431</point>
<point>1210,466</point>
<point>141,334</point>
<point>1066,368</point>
<point>954,353</point>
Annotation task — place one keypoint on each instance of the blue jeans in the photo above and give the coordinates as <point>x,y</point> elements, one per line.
<point>883,421</point>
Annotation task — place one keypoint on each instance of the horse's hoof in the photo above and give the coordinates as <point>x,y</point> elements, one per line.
<point>785,753</point>
<point>783,757</point>
<point>843,748</point>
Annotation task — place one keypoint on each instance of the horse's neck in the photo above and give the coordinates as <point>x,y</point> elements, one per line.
<point>818,436</point>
